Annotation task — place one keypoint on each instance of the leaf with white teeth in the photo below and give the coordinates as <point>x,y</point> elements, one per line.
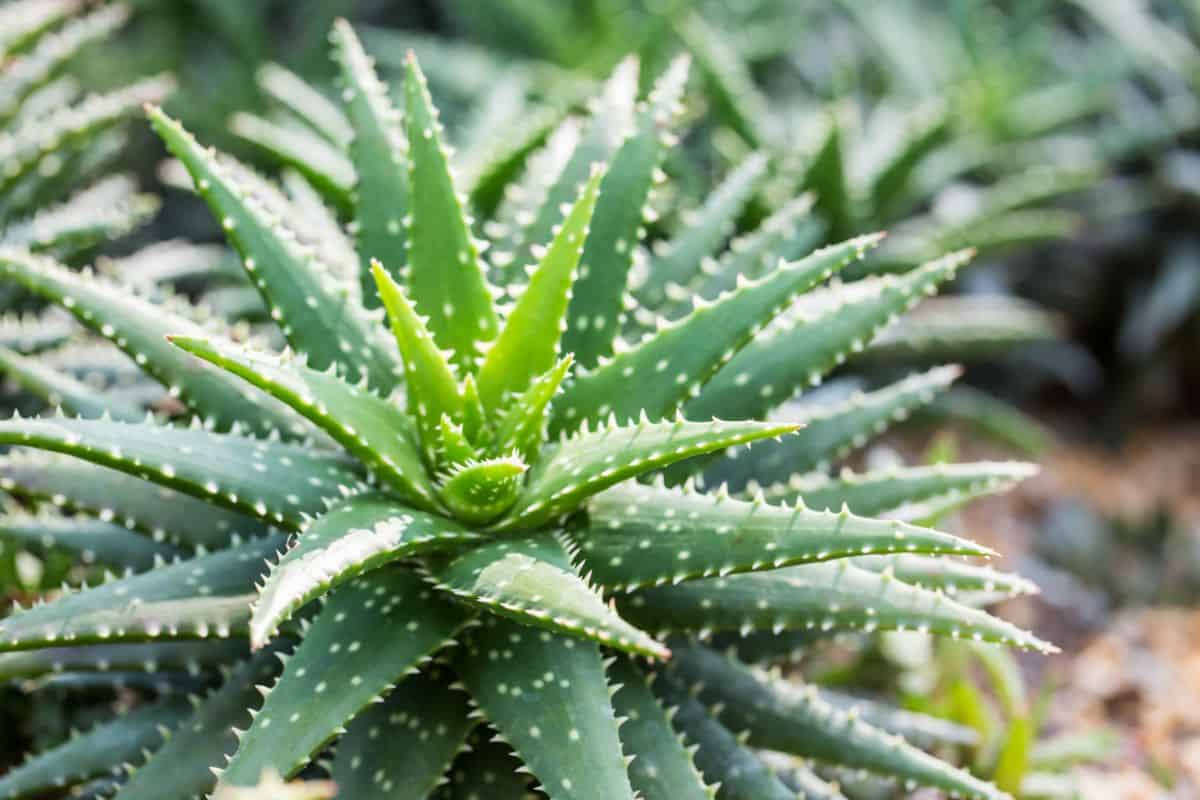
<point>477,492</point>
<point>94,541</point>
<point>191,658</point>
<point>59,390</point>
<point>521,428</point>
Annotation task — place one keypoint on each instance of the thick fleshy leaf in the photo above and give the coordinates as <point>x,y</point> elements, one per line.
<point>403,746</point>
<point>88,755</point>
<point>596,310</point>
<point>548,697</point>
<point>163,514</point>
<point>204,597</point>
<point>23,22</point>
<point>927,129</point>
<point>27,333</point>
<point>673,363</point>
<point>826,178</point>
<point>876,492</point>
<point>370,634</point>
<point>371,428</point>
<point>952,577</point>
<point>677,262</point>
<point>640,535</point>
<point>732,89</point>
<point>830,431</point>
<point>819,597</point>
<point>477,492</point>
<point>531,579</point>
<point>94,541</point>
<point>322,164</point>
<point>315,309</point>
<point>355,536</point>
<point>278,483</point>
<point>444,274</point>
<point>921,730</point>
<point>379,152</point>
<point>183,766</point>
<point>820,331</point>
<point>781,716</point>
<point>722,760</point>
<point>488,769</point>
<point>192,658</point>
<point>591,461</point>
<point>522,427</point>
<point>108,209</point>
<point>306,102</point>
<point>59,390</point>
<point>137,325</point>
<point>663,769</point>
<point>528,342</point>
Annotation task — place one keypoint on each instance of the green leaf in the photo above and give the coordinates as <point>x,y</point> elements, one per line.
<point>371,428</point>
<point>531,579</point>
<point>663,769</point>
<point>921,730</point>
<point>137,325</point>
<point>831,430</point>
<point>93,541</point>
<point>324,165</point>
<point>59,390</point>
<point>163,514</point>
<point>739,773</point>
<point>834,596</point>
<point>820,331</point>
<point>305,102</point>
<point>183,766</point>
<point>315,309</point>
<point>107,746</point>
<point>479,491</point>
<point>677,262</point>
<point>379,152</point>
<point>991,417</point>
<point>429,377</point>
<point>596,310</point>
<point>403,746</point>
<point>355,536</point>
<point>952,577</point>
<point>370,633</point>
<point>528,342</point>
<point>927,129</point>
<point>522,425</point>
<point>108,209</point>
<point>640,536</point>
<point>23,22</point>
<point>487,769</point>
<point>549,698</point>
<point>591,461</point>
<point>193,658</point>
<point>444,273</point>
<point>673,363</point>
<point>780,716</point>
<point>826,177</point>
<point>275,482</point>
<point>204,597</point>
<point>876,492</point>
<point>27,333</point>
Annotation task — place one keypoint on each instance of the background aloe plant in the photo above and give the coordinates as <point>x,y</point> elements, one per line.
<point>445,530</point>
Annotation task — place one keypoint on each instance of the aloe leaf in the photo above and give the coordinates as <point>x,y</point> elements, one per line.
<point>429,376</point>
<point>323,228</point>
<point>24,149</point>
<point>230,470</point>
<point>830,431</point>
<point>532,580</point>
<point>663,768</point>
<point>108,209</point>
<point>183,766</point>
<point>204,597</point>
<point>952,577</point>
<point>24,22</point>
<point>522,426</point>
<point>673,363</point>
<point>316,311</point>
<point>641,536</point>
<point>826,178</point>
<point>596,309</point>
<point>379,152</point>
<point>991,417</point>
<point>927,129</point>
<point>26,333</point>
<point>137,325</point>
<point>163,514</point>
<point>802,778</point>
<point>453,444</point>
<point>487,768</point>
<point>172,262</point>
<point>879,491</point>
<point>370,633</point>
<point>445,273</point>
<point>94,541</point>
<point>403,746</point>
<point>191,658</point>
<point>722,760</point>
<point>677,263</point>
<point>548,697</point>
<point>355,536</point>
<point>778,716</point>
<point>324,165</point>
<point>371,428</point>
<point>480,491</point>
<point>124,740</point>
<point>58,390</point>
<point>834,596</point>
<point>591,461</point>
<point>819,332</point>
<point>493,162</point>
<point>528,342</point>
<point>921,730</point>
<point>306,103</point>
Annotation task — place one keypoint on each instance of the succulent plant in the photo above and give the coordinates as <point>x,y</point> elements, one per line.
<point>493,534</point>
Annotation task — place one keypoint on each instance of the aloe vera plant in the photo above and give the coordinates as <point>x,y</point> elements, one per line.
<point>487,552</point>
